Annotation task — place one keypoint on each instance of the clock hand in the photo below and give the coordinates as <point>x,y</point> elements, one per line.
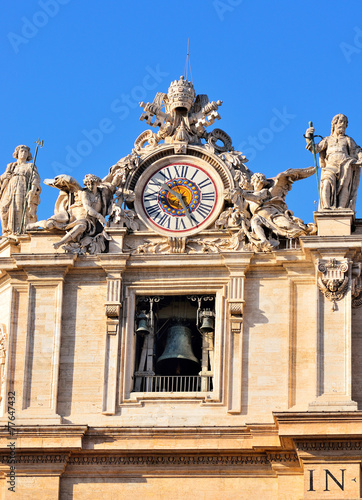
<point>188,215</point>
<point>179,198</point>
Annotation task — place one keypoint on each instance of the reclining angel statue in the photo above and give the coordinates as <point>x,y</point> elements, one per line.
<point>81,212</point>
<point>259,208</point>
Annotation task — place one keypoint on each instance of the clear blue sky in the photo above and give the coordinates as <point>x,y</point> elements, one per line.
<point>73,72</point>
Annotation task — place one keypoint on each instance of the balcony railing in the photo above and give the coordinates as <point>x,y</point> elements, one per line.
<point>174,383</point>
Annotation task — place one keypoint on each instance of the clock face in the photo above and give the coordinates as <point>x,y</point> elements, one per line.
<point>179,198</point>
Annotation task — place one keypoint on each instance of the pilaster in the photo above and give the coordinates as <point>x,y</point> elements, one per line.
<point>237,266</point>
<point>114,265</point>
<point>40,369</point>
<point>333,260</point>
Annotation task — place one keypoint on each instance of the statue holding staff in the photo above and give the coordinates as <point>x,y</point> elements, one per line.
<point>340,160</point>
<point>19,188</point>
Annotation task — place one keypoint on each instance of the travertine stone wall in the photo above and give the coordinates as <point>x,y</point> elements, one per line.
<point>84,433</point>
<point>83,340</point>
<point>357,355</point>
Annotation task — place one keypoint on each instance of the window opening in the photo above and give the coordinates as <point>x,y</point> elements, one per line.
<point>175,343</point>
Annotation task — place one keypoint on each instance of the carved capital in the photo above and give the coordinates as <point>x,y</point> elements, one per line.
<point>333,282</point>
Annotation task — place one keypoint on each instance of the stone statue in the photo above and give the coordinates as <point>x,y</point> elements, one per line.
<point>182,118</point>
<point>261,211</point>
<point>81,212</point>
<point>19,183</point>
<point>340,161</point>
<point>269,210</point>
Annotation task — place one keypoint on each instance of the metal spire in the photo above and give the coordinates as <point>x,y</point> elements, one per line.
<point>188,62</point>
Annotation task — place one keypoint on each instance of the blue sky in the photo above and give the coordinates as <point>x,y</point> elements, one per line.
<point>74,71</point>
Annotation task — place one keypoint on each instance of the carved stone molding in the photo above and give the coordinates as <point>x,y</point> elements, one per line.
<point>170,460</point>
<point>284,458</point>
<point>36,458</point>
<point>334,280</point>
<point>328,446</point>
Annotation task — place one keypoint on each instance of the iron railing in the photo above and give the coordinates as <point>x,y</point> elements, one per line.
<point>174,383</point>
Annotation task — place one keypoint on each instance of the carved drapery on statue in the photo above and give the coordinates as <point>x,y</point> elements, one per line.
<point>19,192</point>
<point>340,161</point>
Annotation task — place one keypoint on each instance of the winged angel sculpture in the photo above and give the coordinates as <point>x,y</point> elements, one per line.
<point>259,209</point>
<point>81,212</point>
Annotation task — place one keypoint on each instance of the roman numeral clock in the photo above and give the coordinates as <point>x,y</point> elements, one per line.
<point>179,196</point>
<point>180,176</point>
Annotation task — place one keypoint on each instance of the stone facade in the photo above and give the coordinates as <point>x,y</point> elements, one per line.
<point>272,409</point>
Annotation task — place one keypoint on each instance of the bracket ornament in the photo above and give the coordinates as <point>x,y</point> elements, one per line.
<point>236,315</point>
<point>333,283</point>
<point>113,305</point>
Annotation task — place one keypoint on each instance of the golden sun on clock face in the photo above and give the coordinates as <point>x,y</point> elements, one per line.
<point>179,198</point>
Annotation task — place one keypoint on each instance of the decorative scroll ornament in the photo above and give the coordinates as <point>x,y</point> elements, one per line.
<point>334,282</point>
<point>219,135</point>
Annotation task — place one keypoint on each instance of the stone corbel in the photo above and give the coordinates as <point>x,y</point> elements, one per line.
<point>333,282</point>
<point>113,305</point>
<point>236,314</point>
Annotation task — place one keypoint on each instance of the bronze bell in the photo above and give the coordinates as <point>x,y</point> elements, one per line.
<point>208,323</point>
<point>143,324</point>
<point>178,357</point>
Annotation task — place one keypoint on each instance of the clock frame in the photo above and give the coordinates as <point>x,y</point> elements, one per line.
<point>179,196</point>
